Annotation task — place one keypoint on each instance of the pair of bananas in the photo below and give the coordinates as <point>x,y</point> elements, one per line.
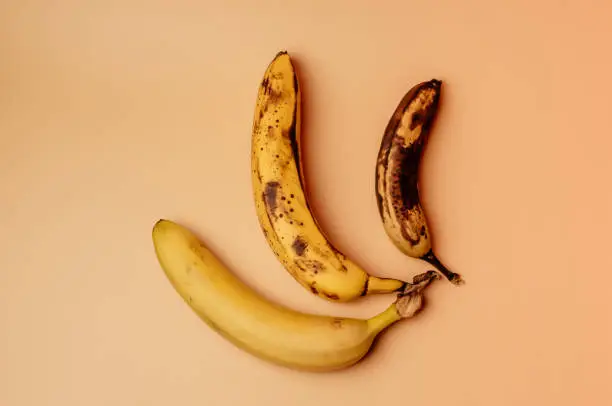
<point>274,332</point>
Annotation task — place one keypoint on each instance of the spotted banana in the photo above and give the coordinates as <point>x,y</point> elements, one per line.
<point>282,207</point>
<point>397,170</point>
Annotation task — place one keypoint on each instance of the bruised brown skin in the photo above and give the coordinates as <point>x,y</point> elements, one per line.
<point>299,246</point>
<point>403,157</point>
<point>405,192</point>
<point>269,197</point>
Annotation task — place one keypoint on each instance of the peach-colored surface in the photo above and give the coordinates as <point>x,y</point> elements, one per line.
<point>114,114</point>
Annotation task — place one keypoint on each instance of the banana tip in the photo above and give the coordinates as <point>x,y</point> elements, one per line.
<point>436,83</point>
<point>160,223</point>
<point>281,52</point>
<point>457,280</point>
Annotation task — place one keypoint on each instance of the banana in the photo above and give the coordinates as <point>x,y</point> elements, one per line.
<point>397,169</point>
<point>284,215</point>
<point>265,329</point>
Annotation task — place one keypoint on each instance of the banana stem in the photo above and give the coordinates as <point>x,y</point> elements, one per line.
<point>454,278</point>
<point>383,320</point>
<point>383,285</point>
<point>408,303</point>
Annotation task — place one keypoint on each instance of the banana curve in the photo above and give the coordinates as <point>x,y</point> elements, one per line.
<point>263,328</point>
<point>282,207</point>
<point>397,169</point>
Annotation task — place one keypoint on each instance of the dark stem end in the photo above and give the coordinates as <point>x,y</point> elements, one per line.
<point>453,277</point>
<point>410,301</point>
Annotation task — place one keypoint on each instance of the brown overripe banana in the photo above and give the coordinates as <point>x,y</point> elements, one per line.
<point>397,172</point>
<point>282,207</point>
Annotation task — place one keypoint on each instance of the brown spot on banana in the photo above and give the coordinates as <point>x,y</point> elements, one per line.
<point>269,198</point>
<point>299,245</point>
<point>311,266</point>
<point>273,96</point>
<point>397,173</point>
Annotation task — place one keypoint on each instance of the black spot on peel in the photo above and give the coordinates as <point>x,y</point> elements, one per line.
<point>268,90</point>
<point>274,97</point>
<point>405,190</point>
<point>313,289</point>
<point>299,245</point>
<point>404,162</point>
<point>309,265</point>
<point>269,196</point>
<point>416,120</point>
<point>337,322</point>
<point>266,85</point>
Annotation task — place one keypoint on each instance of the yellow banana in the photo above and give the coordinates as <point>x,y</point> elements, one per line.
<point>282,208</point>
<point>397,170</point>
<point>265,329</point>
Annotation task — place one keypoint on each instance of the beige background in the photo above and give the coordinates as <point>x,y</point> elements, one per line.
<point>114,114</point>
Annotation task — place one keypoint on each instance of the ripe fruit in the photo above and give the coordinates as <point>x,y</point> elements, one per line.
<point>263,328</point>
<point>281,205</point>
<point>397,173</point>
